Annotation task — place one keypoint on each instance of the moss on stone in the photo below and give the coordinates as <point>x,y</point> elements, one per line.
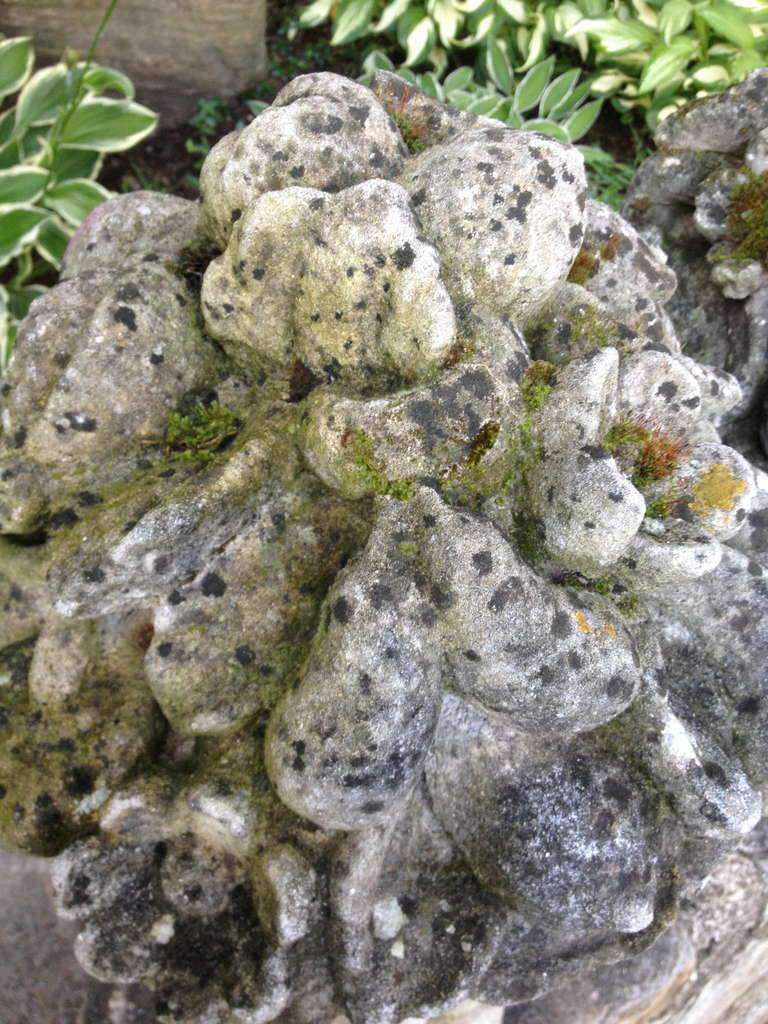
<point>585,264</point>
<point>201,434</point>
<point>482,442</point>
<point>366,470</point>
<point>747,221</point>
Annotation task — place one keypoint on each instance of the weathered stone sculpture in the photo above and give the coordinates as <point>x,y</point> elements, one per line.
<point>701,196</point>
<point>383,625</point>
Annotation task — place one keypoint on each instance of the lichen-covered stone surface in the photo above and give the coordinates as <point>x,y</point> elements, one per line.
<point>694,197</point>
<point>384,616</point>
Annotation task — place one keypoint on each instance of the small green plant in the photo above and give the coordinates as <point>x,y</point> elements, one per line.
<point>651,454</point>
<point>202,433</point>
<point>53,138</point>
<point>537,382</point>
<point>661,507</point>
<point>748,220</point>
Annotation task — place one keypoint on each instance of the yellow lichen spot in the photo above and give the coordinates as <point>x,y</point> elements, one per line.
<point>610,630</point>
<point>716,490</point>
<point>582,623</point>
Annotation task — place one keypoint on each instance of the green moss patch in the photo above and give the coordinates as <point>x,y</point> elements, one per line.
<point>747,221</point>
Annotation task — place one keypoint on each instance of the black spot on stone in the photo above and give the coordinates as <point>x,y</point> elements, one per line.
<point>64,517</point>
<point>517,211</point>
<point>440,598</point>
<point>667,390</point>
<point>596,452</point>
<point>715,772</point>
<point>95,575</point>
<point>372,806</point>
<point>472,655</point>
<point>342,610</point>
<point>748,706</point>
<point>175,598</point>
<point>236,215</point>
<point>428,616</point>
<point>164,649</point>
<point>483,562</point>
<point>258,273</point>
<point>617,791</point>
<point>213,585</point>
<point>419,197</point>
<point>617,686</point>
<point>365,680</point>
<point>124,315</point>
<point>692,403</point>
<point>380,594</point>
<point>79,781</point>
<point>574,659</point>
<point>316,204</point>
<point>3,792</point>
<point>127,292</point>
<point>245,655</point>
<point>298,764</point>
<point>429,521</point>
<point>161,564</point>
<point>19,437</point>
<point>403,257</point>
<point>359,114</point>
<point>62,359</point>
<point>297,172</point>
<point>83,423</point>
<point>576,234</point>
<point>616,496</point>
<point>502,594</point>
<point>510,259</point>
<point>562,625</point>
<point>228,307</point>
<point>87,499</point>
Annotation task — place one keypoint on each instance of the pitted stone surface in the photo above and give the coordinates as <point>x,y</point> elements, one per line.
<point>505,210</point>
<point>437,671</point>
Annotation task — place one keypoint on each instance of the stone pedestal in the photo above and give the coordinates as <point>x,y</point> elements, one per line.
<point>175,51</point>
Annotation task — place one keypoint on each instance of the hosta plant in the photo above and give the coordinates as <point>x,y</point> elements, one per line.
<point>56,125</point>
<point>656,54</point>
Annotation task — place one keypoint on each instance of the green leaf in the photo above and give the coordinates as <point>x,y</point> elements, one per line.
<point>431,86</point>
<point>352,21</point>
<point>516,10</point>
<point>665,64</point>
<point>744,64</point>
<point>613,36</point>
<point>316,13</point>
<point>514,120</point>
<point>531,87</point>
<point>390,14</point>
<point>109,126</point>
<point>458,79</point>
<point>498,66</point>
<point>7,330</point>
<point>581,121</point>
<point>535,44</point>
<point>6,126</point>
<point>447,19</point>
<point>607,83</point>
<point>74,200</point>
<point>485,105</point>
<point>469,6</point>
<point>42,97</point>
<point>729,23</point>
<point>22,184</point>
<point>16,60</point>
<point>52,241</point>
<point>558,91</point>
<point>675,17</point>
<point>711,75</point>
<point>542,124</point>
<point>100,79</point>
<point>19,226</point>
<point>419,41</point>
<point>75,163</point>
<point>568,105</point>
<point>20,299</point>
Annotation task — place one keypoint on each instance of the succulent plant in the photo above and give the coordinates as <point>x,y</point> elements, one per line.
<point>350,665</point>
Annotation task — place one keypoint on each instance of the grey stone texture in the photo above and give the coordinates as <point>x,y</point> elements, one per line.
<point>680,200</point>
<point>385,617</point>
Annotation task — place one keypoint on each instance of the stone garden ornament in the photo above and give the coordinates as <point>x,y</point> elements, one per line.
<point>380,622</point>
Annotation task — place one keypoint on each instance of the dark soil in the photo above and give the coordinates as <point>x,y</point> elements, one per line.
<point>169,162</point>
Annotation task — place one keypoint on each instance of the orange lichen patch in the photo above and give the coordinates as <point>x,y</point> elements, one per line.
<point>717,489</point>
<point>582,623</point>
<point>611,631</point>
<point>585,264</point>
